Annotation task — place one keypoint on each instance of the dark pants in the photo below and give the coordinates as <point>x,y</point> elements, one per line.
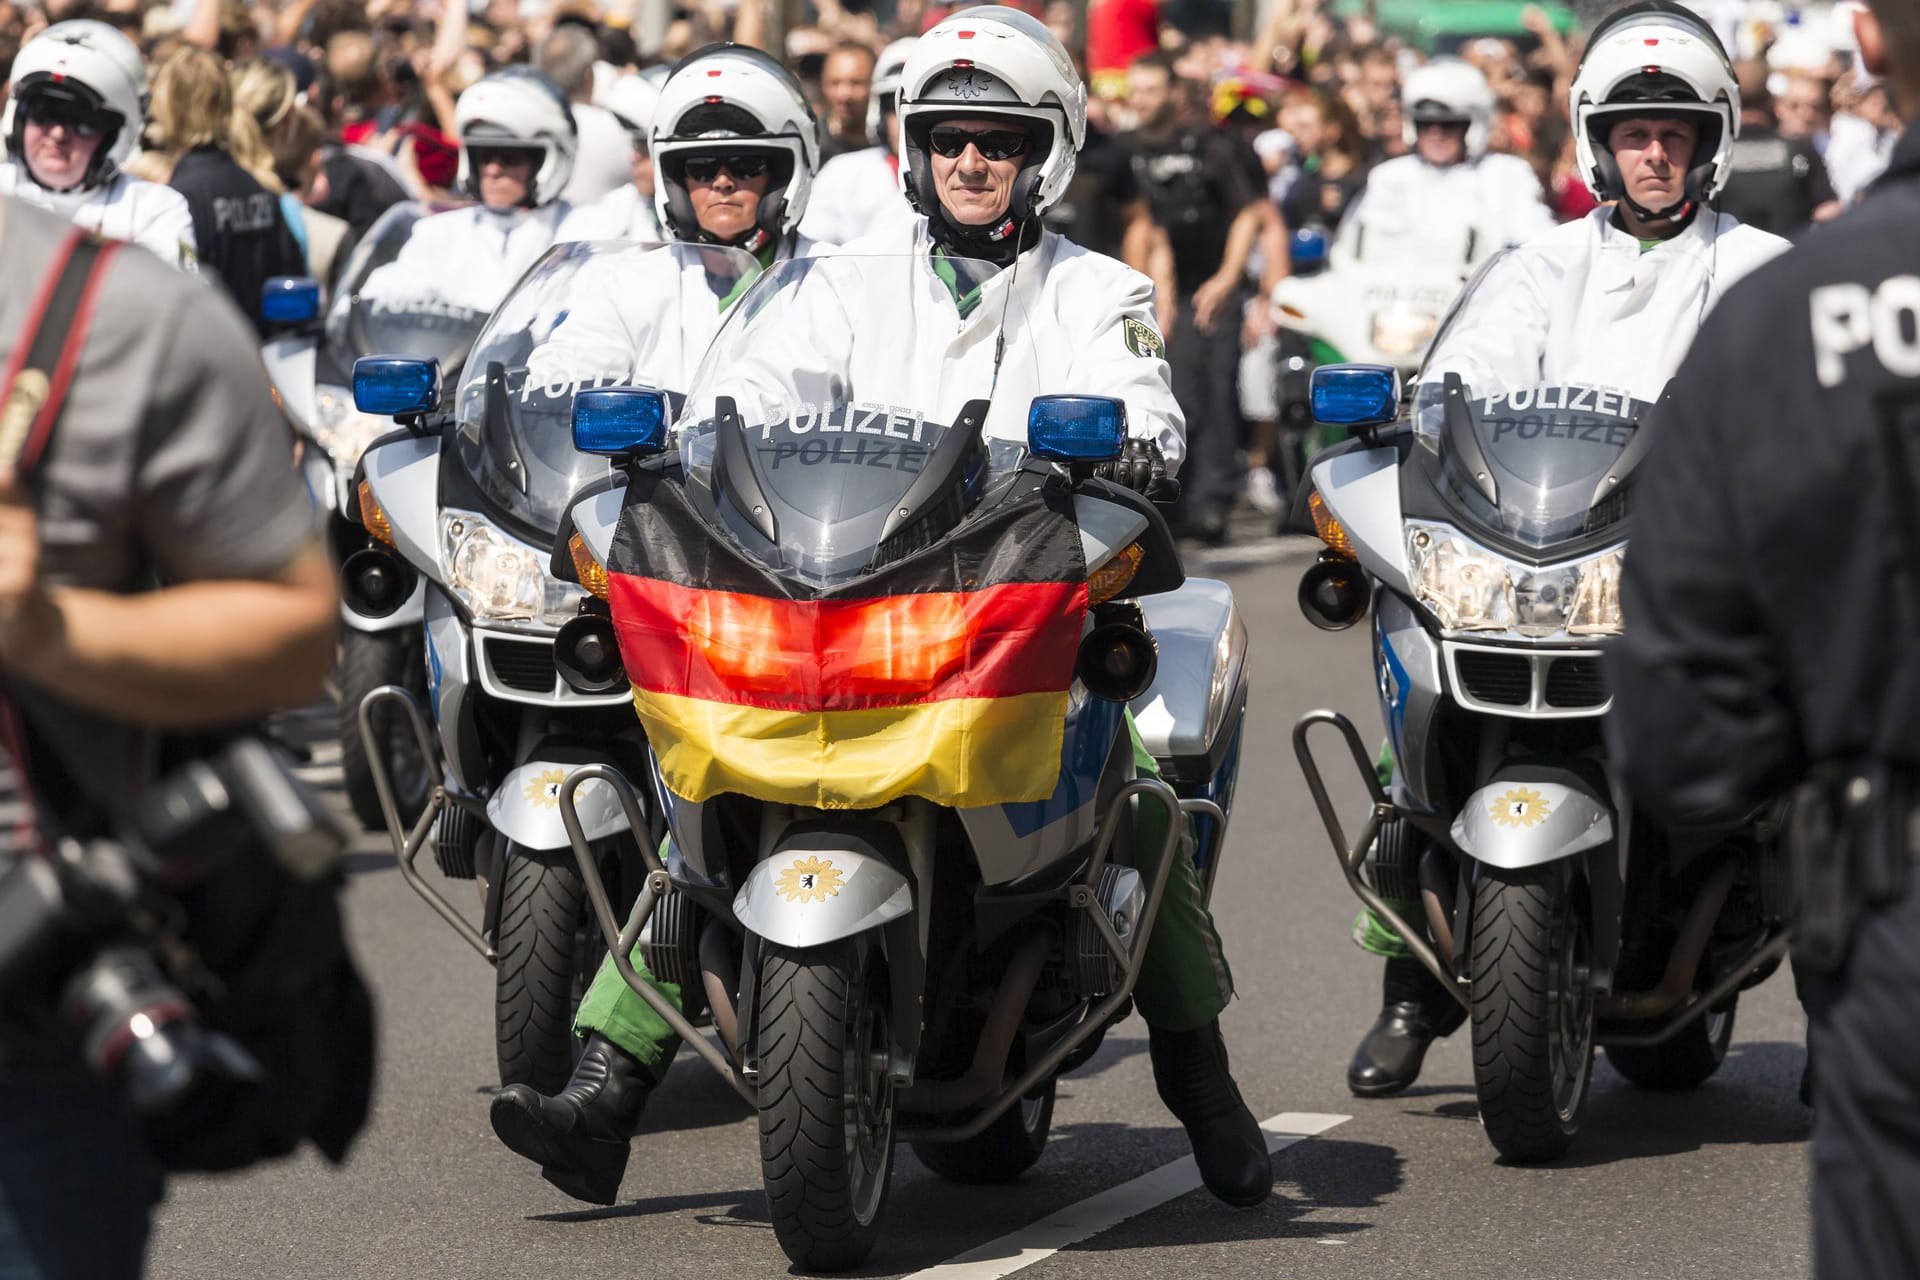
<point>77,1189</point>
<point>1206,371</point>
<point>1864,1034</point>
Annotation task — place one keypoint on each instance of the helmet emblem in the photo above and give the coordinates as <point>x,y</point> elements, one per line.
<point>966,85</point>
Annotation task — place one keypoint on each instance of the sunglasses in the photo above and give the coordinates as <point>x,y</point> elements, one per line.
<point>48,113</point>
<point>707,168</point>
<point>994,144</point>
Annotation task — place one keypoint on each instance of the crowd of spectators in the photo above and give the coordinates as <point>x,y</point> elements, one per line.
<point>1218,131</point>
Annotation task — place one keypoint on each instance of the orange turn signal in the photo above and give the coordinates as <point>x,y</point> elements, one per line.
<point>1330,530</point>
<point>592,574</point>
<point>1111,578</point>
<point>373,517</point>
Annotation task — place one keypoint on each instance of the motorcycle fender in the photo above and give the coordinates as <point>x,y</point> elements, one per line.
<point>1531,816</point>
<point>404,477</point>
<point>525,807</point>
<point>410,614</point>
<point>810,897</point>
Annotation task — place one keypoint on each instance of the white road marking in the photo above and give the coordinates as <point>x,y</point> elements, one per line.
<point>1039,1241</point>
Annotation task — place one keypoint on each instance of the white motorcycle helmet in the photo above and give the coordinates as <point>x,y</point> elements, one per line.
<point>1655,58</point>
<point>884,93</point>
<point>518,107</point>
<point>632,99</point>
<point>1448,91</point>
<point>994,61</point>
<point>727,99</point>
<point>94,68</point>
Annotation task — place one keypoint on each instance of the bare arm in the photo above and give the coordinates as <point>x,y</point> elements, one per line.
<point>1276,261</point>
<point>195,654</point>
<point>1233,267</point>
<point>1166,288</point>
<point>203,28</point>
<point>750,25</point>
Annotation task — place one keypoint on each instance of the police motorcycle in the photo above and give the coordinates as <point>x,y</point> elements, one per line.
<point>884,663</point>
<point>466,502</point>
<point>311,368</point>
<point>1485,528</point>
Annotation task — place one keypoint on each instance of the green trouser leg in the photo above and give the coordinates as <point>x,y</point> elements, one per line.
<point>613,1009</point>
<point>1184,980</point>
<point>1371,933</point>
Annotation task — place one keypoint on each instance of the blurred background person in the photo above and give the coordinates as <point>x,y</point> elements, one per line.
<point>846,79</point>
<point>215,157</point>
<point>605,160</point>
<point>628,212</point>
<point>1778,184</point>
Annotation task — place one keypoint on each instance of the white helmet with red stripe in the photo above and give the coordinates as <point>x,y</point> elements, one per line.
<point>994,61</point>
<point>94,69</point>
<point>1655,59</point>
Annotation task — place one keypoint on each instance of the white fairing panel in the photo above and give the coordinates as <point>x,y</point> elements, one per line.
<point>1106,528</point>
<point>1203,662</point>
<point>404,476</point>
<point>289,364</point>
<point>596,519</point>
<point>1362,491</point>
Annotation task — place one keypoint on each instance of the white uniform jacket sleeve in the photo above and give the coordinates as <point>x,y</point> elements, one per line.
<point>1113,346</point>
<point>162,224</point>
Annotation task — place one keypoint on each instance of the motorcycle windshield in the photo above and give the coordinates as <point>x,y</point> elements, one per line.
<point>425,327</point>
<point>587,314</point>
<point>1529,403</point>
<point>828,448</point>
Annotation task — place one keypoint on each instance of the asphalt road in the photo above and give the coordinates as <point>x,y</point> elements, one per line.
<point>1701,1185</point>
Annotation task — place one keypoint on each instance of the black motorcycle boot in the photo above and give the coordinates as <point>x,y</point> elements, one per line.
<point>1190,1070</point>
<point>579,1137</point>
<point>1415,1011</point>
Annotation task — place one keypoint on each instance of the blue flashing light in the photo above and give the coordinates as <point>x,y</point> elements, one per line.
<point>1356,395</point>
<point>290,300</point>
<point>620,422</point>
<point>1076,428</point>
<point>1309,248</point>
<point>395,386</point>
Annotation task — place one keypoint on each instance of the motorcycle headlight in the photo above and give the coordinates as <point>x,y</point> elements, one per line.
<point>1596,596</point>
<point>342,430</point>
<point>499,578</point>
<point>1467,588</point>
<point>1403,333</point>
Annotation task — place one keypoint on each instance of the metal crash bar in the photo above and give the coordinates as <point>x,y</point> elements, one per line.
<point>407,844</point>
<point>1352,856</point>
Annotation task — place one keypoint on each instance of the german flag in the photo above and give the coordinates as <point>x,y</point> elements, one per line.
<point>943,675</point>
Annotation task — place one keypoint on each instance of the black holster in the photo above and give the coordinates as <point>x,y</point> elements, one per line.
<point>1850,845</point>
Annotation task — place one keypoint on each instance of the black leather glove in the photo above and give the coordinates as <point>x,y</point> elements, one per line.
<point>1141,469</point>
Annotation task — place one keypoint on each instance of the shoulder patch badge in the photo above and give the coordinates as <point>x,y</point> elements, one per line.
<point>1143,341</point>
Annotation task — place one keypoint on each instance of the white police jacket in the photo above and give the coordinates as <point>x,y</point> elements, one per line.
<point>1076,322</point>
<point>1482,206</point>
<point>125,208</point>
<point>645,317</point>
<point>1586,304</point>
<point>856,195</point>
<point>622,214</point>
<point>467,257</point>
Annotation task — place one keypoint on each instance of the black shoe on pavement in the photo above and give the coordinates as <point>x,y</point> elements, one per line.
<point>1417,1010</point>
<point>1190,1070</point>
<point>579,1137</point>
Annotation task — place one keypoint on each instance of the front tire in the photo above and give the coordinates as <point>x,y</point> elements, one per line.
<point>545,960</point>
<point>1532,1013</point>
<point>1685,1061</point>
<point>368,660</point>
<point>826,1104</point>
<point>1003,1150</point>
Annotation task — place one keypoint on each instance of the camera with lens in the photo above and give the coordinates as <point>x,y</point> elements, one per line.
<point>113,948</point>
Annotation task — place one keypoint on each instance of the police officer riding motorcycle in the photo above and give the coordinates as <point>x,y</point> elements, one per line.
<point>1610,301</point>
<point>76,105</point>
<point>992,115</point>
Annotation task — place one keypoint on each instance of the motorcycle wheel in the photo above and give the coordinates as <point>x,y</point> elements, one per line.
<point>1683,1062</point>
<point>369,659</point>
<point>545,961</point>
<point>1533,1016</point>
<point>826,1104</point>
<point>1003,1150</point>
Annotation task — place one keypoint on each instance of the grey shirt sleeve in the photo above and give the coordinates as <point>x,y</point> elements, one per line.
<point>215,488</point>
